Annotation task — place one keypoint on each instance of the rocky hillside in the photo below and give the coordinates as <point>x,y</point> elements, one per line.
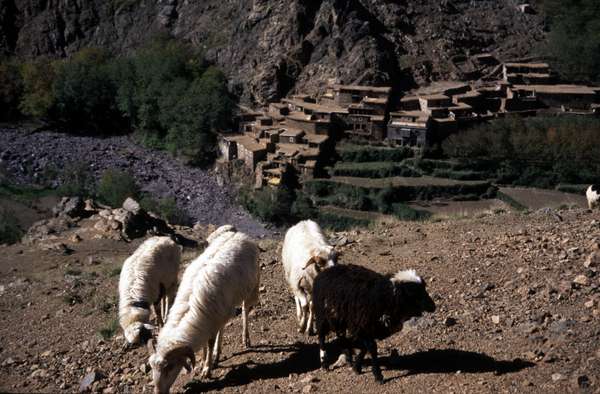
<point>272,47</point>
<point>517,312</point>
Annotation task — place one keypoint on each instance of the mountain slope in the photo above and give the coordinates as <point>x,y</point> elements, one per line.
<point>269,48</point>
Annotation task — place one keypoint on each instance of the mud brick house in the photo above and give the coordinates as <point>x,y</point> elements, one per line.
<point>527,73</point>
<point>344,95</point>
<point>568,96</point>
<point>409,128</point>
<point>243,147</point>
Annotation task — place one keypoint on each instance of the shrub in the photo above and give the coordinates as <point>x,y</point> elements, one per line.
<point>367,153</point>
<point>336,222</point>
<point>166,208</point>
<point>404,212</point>
<point>270,205</point>
<point>373,170</point>
<point>574,39</point>
<point>304,208</point>
<point>11,89</point>
<point>76,180</point>
<point>10,232</point>
<point>110,329</point>
<point>115,186</point>
<point>38,96</point>
<point>534,152</point>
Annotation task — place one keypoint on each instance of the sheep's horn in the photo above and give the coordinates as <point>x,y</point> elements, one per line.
<point>182,353</point>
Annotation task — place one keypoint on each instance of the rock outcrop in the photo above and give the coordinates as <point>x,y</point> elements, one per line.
<point>270,48</point>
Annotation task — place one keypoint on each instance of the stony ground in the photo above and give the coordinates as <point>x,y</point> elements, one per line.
<point>27,157</point>
<point>517,295</point>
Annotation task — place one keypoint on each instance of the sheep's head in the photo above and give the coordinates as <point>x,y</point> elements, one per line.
<point>322,258</point>
<point>412,291</point>
<point>138,333</point>
<point>165,369</point>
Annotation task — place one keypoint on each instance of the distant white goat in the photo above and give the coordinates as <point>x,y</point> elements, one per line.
<point>224,276</point>
<point>148,278</point>
<point>593,196</point>
<point>305,254</point>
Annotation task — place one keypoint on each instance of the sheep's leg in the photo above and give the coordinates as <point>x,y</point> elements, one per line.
<point>157,311</point>
<point>205,374</point>
<point>217,349</point>
<point>346,345</point>
<point>298,309</point>
<point>322,353</point>
<point>304,313</point>
<point>357,367</point>
<point>371,346</point>
<point>309,324</point>
<point>246,334</point>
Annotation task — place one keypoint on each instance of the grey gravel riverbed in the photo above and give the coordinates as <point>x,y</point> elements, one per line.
<point>25,156</point>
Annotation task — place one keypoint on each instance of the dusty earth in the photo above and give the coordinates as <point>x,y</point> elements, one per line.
<point>517,295</point>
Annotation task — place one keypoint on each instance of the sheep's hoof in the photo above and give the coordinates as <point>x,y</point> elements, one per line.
<point>246,343</point>
<point>379,378</point>
<point>205,374</point>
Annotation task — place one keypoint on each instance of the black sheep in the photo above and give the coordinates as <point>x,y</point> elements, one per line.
<point>367,306</point>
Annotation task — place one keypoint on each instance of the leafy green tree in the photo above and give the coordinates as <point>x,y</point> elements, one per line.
<point>11,89</point>
<point>84,91</point>
<point>574,38</point>
<point>38,95</point>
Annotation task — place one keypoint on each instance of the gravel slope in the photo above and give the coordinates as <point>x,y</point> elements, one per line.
<point>196,190</point>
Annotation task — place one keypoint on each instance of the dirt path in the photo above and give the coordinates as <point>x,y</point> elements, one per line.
<point>514,314</point>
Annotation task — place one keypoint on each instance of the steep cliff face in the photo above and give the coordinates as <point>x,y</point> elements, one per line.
<point>269,48</point>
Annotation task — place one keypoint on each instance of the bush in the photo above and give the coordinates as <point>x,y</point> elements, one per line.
<point>539,152</point>
<point>76,180</point>
<point>336,222</point>
<point>367,153</point>
<point>303,208</point>
<point>270,205</point>
<point>166,208</point>
<point>11,90</point>
<point>115,186</point>
<point>373,170</point>
<point>38,96</point>
<point>10,232</point>
<point>573,43</point>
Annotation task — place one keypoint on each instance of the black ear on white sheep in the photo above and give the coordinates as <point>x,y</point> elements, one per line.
<point>183,356</point>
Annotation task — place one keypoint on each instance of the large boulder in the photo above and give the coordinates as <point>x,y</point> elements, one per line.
<point>73,207</point>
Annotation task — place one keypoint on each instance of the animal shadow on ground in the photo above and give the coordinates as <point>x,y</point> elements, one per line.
<point>452,361</point>
<point>302,358</point>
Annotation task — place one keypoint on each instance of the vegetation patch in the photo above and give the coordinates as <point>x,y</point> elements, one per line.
<point>534,152</point>
<point>115,186</point>
<point>110,329</point>
<point>373,169</point>
<point>368,153</point>
<point>10,232</point>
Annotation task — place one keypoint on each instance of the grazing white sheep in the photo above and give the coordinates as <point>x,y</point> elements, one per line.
<point>305,254</point>
<point>593,196</point>
<point>148,278</point>
<point>224,276</point>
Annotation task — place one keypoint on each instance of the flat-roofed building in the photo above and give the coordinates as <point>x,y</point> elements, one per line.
<point>344,95</point>
<point>570,96</point>
<point>527,73</point>
<point>434,101</point>
<point>409,128</point>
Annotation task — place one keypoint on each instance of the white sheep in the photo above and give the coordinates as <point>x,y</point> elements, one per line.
<point>223,277</point>
<point>148,278</point>
<point>305,253</point>
<point>593,196</point>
